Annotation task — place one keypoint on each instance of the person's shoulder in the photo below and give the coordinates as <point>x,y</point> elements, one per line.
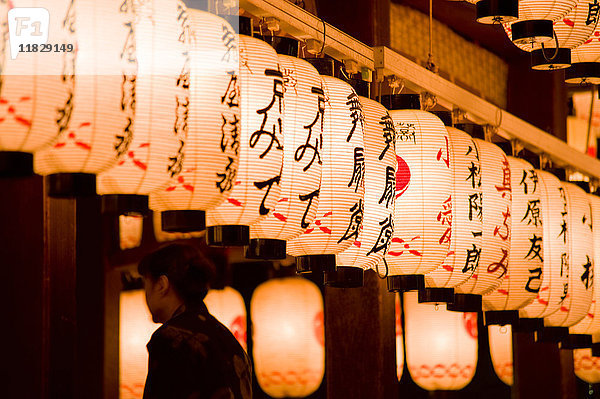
<point>180,335</point>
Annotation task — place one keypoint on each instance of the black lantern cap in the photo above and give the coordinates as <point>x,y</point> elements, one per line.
<point>558,172</point>
<point>71,185</point>
<point>328,67</point>
<point>361,87</point>
<point>497,11</point>
<point>266,248</point>
<point>345,277</point>
<point>474,130</point>
<point>125,204</point>
<point>583,73</point>
<point>16,164</point>
<point>241,25</point>
<point>405,282</point>
<point>527,324</point>
<point>465,303</point>
<point>183,221</point>
<point>228,235</point>
<point>596,349</point>
<point>436,295</point>
<point>551,334</point>
<point>584,185</point>
<point>401,101</point>
<point>540,59</point>
<point>445,116</point>
<point>576,341</point>
<point>500,317</point>
<point>306,264</point>
<point>282,45</point>
<point>505,146</point>
<point>532,31</point>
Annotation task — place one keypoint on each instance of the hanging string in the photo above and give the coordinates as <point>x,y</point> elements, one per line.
<point>555,50</point>
<point>387,269</point>
<point>430,64</point>
<point>589,124</point>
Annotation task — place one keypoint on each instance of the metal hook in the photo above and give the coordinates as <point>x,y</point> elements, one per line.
<point>555,49</point>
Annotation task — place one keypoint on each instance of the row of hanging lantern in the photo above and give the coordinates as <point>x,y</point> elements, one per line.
<point>558,33</point>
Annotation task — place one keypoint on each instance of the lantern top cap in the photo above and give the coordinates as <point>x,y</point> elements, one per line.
<point>282,45</point>
<point>241,25</point>
<point>401,101</point>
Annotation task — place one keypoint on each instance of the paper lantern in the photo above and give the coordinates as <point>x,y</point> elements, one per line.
<point>571,31</point>
<point>441,346</point>
<point>423,198</point>
<point>33,95</point>
<point>523,278</point>
<point>590,324</point>
<point>163,236</point>
<point>162,107</point>
<point>130,231</point>
<point>399,339</point>
<point>95,124</point>
<point>256,186</point>
<point>467,214</point>
<point>340,209</point>
<point>135,329</point>
<point>493,260</point>
<point>536,17</point>
<point>586,366</point>
<point>228,306</point>
<point>501,351</point>
<point>372,244</point>
<point>302,163</point>
<point>494,11</point>
<point>585,58</point>
<point>288,337</point>
<point>555,280</point>
<point>579,260</point>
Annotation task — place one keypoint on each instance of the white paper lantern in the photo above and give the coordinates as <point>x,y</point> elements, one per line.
<point>228,306</point>
<point>501,351</point>
<point>423,211</point>
<point>555,279</point>
<point>399,339</point>
<point>163,107</point>
<point>586,67</point>
<point>302,163</point>
<point>256,186</point>
<point>441,346</point>
<point>497,193</point>
<point>373,242</point>
<point>523,278</point>
<point>590,324</point>
<point>579,261</point>
<point>536,17</point>
<point>209,168</point>
<point>288,337</point>
<point>130,231</point>
<point>586,366</point>
<point>135,329</point>
<point>163,236</point>
<point>467,214</point>
<point>489,12</point>
<point>340,209</point>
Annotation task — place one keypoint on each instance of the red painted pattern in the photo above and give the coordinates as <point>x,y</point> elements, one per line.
<point>406,247</point>
<point>470,323</point>
<point>319,329</point>
<point>12,111</point>
<point>402,177</point>
<point>305,377</point>
<point>441,371</point>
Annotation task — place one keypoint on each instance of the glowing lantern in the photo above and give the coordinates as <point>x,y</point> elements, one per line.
<point>467,215</point>
<point>501,351</point>
<point>130,231</point>
<point>441,346</point>
<point>256,186</point>
<point>571,31</point>
<point>162,106</point>
<point>524,275</point>
<point>288,337</point>
<point>340,209</point>
<point>212,148</point>
<point>33,95</point>
<point>135,329</point>
<point>301,174</point>
<point>423,198</point>
<point>591,322</point>
<point>554,280</point>
<point>493,260</point>
<point>585,68</point>
<point>399,339</point>
<point>536,17</point>
<point>587,367</point>
<point>371,245</point>
<point>228,306</point>
<point>493,11</point>
<point>577,234</point>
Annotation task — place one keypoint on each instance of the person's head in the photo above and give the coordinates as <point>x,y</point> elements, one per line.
<point>174,275</point>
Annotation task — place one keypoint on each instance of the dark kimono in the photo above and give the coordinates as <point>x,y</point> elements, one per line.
<point>194,356</point>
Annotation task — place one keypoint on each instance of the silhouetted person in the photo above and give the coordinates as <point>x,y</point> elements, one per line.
<point>192,355</point>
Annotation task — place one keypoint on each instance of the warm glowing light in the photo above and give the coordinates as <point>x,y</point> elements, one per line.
<point>227,306</point>
<point>501,351</point>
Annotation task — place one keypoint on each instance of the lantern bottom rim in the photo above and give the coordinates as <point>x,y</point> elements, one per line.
<point>532,31</point>
<point>596,349</point>
<point>529,324</point>
<point>183,221</point>
<point>500,317</point>
<point>561,60</point>
<point>576,341</point>
<point>229,235</point>
<point>497,11</point>
<point>307,264</point>
<point>465,303</point>
<point>266,248</point>
<point>405,282</point>
<point>70,185</point>
<point>125,204</point>
<point>16,164</point>
<point>436,295</point>
<point>582,73</point>
<point>551,334</point>
<point>345,277</point>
